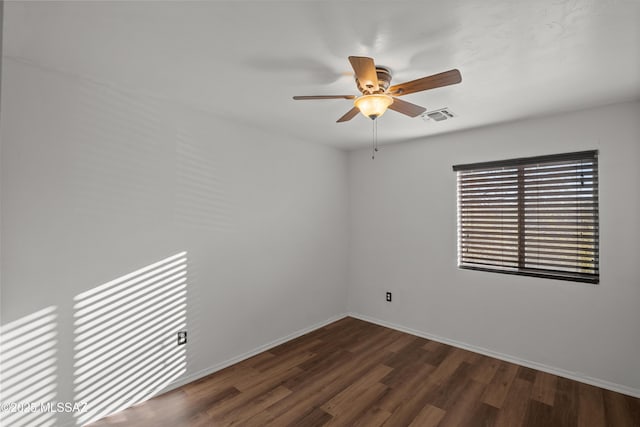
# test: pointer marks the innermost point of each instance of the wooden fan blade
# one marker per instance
(407, 108)
(365, 70)
(350, 115)
(446, 78)
(298, 98)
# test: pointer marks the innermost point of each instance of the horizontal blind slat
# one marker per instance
(543, 210)
(533, 171)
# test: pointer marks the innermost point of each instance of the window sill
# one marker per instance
(572, 277)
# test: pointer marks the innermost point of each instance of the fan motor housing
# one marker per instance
(384, 80)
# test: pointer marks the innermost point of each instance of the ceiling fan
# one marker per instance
(373, 82)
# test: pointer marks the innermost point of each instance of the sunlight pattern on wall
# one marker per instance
(28, 369)
(126, 337)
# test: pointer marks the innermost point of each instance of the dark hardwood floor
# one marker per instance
(354, 373)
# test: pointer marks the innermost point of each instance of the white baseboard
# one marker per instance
(507, 358)
(236, 359)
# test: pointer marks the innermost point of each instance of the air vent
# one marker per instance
(438, 115)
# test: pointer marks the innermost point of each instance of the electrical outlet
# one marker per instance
(388, 296)
(182, 337)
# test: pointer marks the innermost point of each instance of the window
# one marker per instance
(535, 216)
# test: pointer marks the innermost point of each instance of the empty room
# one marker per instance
(320, 213)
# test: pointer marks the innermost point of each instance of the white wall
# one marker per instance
(98, 183)
(403, 239)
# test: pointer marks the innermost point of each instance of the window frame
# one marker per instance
(521, 269)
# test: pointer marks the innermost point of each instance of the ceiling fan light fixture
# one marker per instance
(373, 106)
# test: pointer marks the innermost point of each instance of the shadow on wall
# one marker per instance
(125, 337)
(28, 369)
(117, 151)
(127, 169)
(200, 197)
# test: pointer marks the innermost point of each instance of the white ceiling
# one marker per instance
(245, 60)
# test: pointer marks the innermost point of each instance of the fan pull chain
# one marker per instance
(375, 124)
(374, 139)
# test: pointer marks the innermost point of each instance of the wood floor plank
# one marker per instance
(364, 340)
(372, 417)
(348, 412)
(248, 382)
(339, 323)
(429, 416)
(515, 404)
(544, 388)
(401, 392)
(346, 326)
(322, 386)
(435, 346)
(348, 364)
(633, 407)
(401, 343)
(483, 416)
(291, 411)
(200, 419)
(218, 381)
(484, 370)
(448, 366)
(436, 352)
(590, 407)
(404, 374)
(320, 364)
(538, 414)
(618, 411)
(471, 357)
(349, 395)
(565, 407)
(527, 374)
(254, 406)
(497, 390)
(463, 410)
(436, 389)
(445, 394)
(355, 339)
(289, 348)
(284, 361)
(259, 388)
(316, 417)
(412, 352)
(191, 407)
(357, 374)
(409, 409)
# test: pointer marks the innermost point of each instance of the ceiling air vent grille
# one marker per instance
(438, 115)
